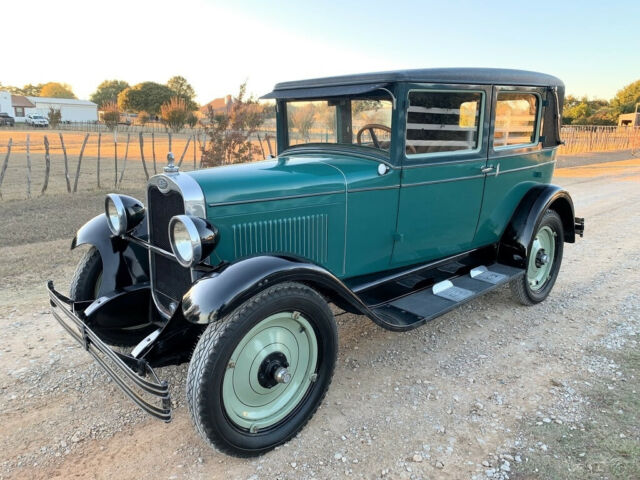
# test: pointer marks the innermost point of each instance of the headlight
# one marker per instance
(124, 213)
(191, 238)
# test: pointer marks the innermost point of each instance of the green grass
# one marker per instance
(597, 451)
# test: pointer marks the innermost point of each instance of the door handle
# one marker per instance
(491, 168)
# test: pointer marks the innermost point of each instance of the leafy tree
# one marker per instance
(108, 91)
(302, 119)
(29, 90)
(145, 96)
(55, 117)
(588, 112)
(111, 115)
(143, 117)
(183, 89)
(229, 134)
(57, 90)
(626, 98)
(192, 120)
(175, 113)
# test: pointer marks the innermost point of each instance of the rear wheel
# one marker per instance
(543, 262)
(257, 376)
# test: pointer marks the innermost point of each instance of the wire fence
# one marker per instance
(35, 161)
(596, 138)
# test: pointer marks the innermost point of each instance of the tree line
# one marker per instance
(582, 111)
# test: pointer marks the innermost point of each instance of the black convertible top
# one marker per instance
(361, 83)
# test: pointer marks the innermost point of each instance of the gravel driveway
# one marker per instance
(448, 400)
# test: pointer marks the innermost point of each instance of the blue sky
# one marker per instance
(593, 46)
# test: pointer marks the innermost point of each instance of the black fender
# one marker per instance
(516, 239)
(218, 293)
(123, 263)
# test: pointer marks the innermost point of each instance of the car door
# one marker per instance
(517, 159)
(443, 170)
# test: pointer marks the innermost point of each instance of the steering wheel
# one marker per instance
(371, 127)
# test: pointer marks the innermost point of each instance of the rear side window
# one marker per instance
(516, 119)
(443, 122)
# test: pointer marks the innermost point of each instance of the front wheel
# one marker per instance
(543, 262)
(257, 376)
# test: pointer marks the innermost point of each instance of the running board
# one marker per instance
(416, 308)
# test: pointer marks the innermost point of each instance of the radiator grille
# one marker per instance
(306, 236)
(170, 280)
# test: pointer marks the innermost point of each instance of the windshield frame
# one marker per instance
(344, 147)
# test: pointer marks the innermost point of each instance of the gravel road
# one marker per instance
(448, 400)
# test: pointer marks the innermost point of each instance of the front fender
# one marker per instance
(123, 263)
(516, 240)
(217, 294)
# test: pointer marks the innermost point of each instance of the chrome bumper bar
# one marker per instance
(126, 371)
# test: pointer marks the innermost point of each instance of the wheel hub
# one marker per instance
(273, 370)
(541, 258)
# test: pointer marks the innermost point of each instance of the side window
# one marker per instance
(443, 122)
(516, 119)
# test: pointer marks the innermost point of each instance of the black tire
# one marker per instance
(211, 359)
(84, 287)
(86, 277)
(520, 288)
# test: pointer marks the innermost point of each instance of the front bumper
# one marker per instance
(151, 395)
(579, 226)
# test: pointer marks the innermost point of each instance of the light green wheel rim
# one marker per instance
(543, 252)
(247, 403)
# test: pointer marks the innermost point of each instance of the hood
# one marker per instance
(269, 180)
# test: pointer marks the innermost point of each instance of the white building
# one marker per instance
(72, 110)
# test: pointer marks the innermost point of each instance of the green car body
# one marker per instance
(331, 206)
(232, 268)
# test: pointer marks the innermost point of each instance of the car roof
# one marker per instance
(471, 76)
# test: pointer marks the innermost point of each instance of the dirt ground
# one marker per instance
(449, 400)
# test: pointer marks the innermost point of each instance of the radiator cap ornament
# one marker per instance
(170, 168)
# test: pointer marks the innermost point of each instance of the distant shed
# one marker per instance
(72, 110)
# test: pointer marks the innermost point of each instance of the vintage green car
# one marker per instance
(396, 195)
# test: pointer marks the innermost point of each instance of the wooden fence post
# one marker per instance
(144, 164)
(47, 165)
(261, 147)
(66, 163)
(98, 165)
(194, 151)
(184, 151)
(84, 144)
(28, 168)
(268, 139)
(6, 162)
(153, 151)
(124, 162)
(115, 159)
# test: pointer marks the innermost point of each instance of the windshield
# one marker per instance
(38, 117)
(346, 121)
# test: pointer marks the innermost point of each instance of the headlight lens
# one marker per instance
(182, 243)
(191, 238)
(123, 213)
(116, 214)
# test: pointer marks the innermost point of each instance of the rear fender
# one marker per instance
(217, 294)
(516, 240)
(123, 263)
